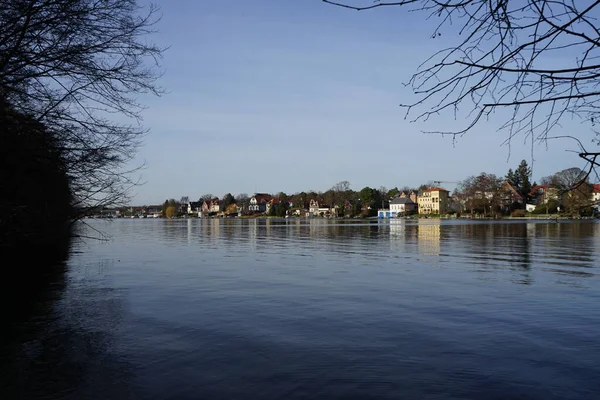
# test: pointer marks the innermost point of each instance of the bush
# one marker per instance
(518, 213)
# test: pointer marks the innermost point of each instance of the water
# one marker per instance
(290, 309)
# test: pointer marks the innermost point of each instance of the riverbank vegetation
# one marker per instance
(566, 193)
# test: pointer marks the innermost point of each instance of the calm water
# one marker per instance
(231, 309)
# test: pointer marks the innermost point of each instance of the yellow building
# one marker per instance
(434, 201)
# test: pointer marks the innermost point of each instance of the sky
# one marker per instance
(297, 95)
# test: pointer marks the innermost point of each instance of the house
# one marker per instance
(509, 198)
(399, 206)
(411, 195)
(402, 205)
(194, 207)
(271, 203)
(154, 211)
(596, 192)
(541, 194)
(435, 200)
(258, 202)
(211, 206)
(318, 208)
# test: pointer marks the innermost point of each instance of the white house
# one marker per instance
(398, 206)
(194, 207)
(402, 205)
(317, 208)
(258, 202)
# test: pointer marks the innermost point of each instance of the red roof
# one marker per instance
(535, 189)
(436, 189)
(596, 188)
(262, 197)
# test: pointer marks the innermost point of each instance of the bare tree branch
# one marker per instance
(537, 59)
(73, 65)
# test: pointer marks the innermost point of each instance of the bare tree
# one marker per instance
(574, 190)
(206, 197)
(564, 180)
(77, 66)
(538, 59)
(341, 186)
(479, 193)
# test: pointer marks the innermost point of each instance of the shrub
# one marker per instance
(518, 213)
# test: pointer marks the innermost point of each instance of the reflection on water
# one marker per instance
(316, 309)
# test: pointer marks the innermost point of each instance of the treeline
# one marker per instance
(568, 190)
(342, 199)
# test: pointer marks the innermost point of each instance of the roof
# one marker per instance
(510, 188)
(401, 200)
(436, 189)
(537, 187)
(262, 197)
(596, 188)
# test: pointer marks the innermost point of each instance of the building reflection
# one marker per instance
(428, 236)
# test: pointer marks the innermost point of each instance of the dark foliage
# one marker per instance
(35, 206)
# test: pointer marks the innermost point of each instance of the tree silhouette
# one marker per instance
(72, 65)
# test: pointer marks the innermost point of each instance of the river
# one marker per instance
(315, 309)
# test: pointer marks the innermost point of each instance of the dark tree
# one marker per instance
(519, 179)
(73, 64)
(228, 199)
(242, 200)
(370, 200)
(300, 200)
(35, 205)
(537, 59)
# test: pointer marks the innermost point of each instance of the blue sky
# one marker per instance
(292, 95)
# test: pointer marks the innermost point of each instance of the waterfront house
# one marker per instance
(596, 196)
(317, 208)
(435, 200)
(402, 206)
(194, 207)
(509, 198)
(258, 202)
(541, 194)
(211, 206)
(271, 203)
